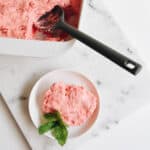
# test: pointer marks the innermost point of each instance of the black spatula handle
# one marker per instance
(121, 60)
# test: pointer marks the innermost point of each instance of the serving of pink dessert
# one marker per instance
(75, 103)
(18, 17)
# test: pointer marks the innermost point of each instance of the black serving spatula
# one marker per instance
(53, 20)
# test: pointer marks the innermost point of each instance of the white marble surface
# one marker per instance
(132, 133)
(121, 93)
(132, 17)
(9, 130)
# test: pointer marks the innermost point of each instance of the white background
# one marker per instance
(133, 133)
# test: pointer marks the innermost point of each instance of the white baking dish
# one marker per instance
(35, 48)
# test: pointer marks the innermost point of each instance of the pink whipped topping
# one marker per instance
(74, 103)
(18, 17)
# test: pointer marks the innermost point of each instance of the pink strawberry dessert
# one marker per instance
(18, 17)
(74, 103)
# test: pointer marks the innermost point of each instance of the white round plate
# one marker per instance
(42, 85)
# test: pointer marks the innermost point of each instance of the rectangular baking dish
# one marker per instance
(36, 48)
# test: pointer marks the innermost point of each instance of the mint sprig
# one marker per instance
(60, 133)
(46, 127)
(56, 125)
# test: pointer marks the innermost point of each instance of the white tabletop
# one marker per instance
(17, 76)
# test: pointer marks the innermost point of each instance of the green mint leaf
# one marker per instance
(56, 125)
(51, 117)
(60, 133)
(46, 127)
(61, 122)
